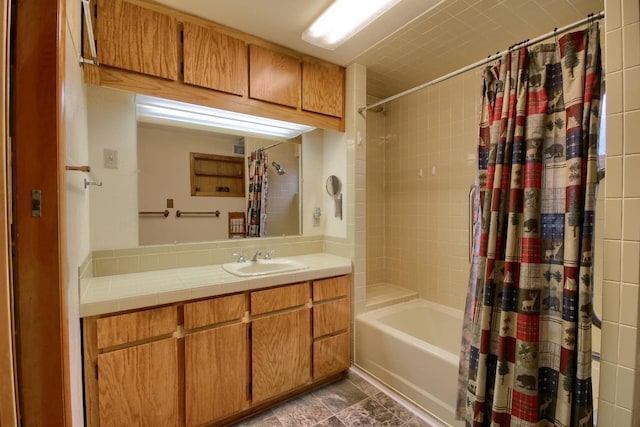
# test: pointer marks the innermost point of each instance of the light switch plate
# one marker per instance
(110, 159)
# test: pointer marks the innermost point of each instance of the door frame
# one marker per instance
(8, 400)
(39, 269)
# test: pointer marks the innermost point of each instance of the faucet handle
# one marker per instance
(239, 255)
(267, 254)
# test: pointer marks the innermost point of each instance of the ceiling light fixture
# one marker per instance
(343, 19)
(158, 110)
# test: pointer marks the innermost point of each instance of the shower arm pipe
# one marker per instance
(587, 20)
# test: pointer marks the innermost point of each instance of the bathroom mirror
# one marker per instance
(334, 188)
(131, 187)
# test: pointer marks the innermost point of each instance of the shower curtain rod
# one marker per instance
(587, 20)
(270, 146)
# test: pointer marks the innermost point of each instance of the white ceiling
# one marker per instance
(416, 41)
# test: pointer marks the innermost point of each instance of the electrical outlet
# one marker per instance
(110, 159)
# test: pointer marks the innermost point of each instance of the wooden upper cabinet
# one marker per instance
(323, 87)
(137, 39)
(214, 60)
(274, 77)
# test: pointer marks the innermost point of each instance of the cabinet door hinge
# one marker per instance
(182, 68)
(249, 333)
(181, 36)
(96, 371)
(249, 390)
(95, 11)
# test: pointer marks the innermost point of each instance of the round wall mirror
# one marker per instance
(333, 185)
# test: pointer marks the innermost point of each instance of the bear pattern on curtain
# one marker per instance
(526, 353)
(258, 191)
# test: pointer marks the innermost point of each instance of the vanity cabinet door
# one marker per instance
(281, 353)
(137, 39)
(216, 373)
(214, 60)
(139, 386)
(323, 87)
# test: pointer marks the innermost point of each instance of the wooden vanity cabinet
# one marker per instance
(281, 340)
(331, 326)
(137, 38)
(132, 369)
(216, 359)
(211, 361)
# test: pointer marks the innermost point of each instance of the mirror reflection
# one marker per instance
(206, 175)
(257, 197)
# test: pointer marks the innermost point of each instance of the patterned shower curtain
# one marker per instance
(526, 353)
(258, 191)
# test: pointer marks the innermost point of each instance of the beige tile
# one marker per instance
(627, 349)
(128, 264)
(632, 88)
(631, 219)
(630, 12)
(629, 304)
(607, 382)
(615, 131)
(614, 50)
(613, 14)
(611, 260)
(632, 132)
(631, 175)
(624, 388)
(609, 351)
(631, 262)
(613, 215)
(631, 43)
(611, 301)
(106, 266)
(622, 417)
(614, 92)
(613, 181)
(605, 413)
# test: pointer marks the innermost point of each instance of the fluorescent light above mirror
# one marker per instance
(158, 110)
(343, 19)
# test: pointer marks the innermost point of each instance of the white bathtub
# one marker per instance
(413, 348)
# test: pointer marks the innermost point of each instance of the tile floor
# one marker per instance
(350, 402)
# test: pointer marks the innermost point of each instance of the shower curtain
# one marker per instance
(258, 191)
(526, 353)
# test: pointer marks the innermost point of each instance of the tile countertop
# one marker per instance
(110, 294)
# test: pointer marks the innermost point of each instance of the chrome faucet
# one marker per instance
(240, 256)
(255, 256)
(267, 254)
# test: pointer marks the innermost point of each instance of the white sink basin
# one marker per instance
(262, 267)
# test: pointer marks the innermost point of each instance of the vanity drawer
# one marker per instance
(136, 326)
(331, 288)
(331, 355)
(330, 317)
(214, 310)
(279, 298)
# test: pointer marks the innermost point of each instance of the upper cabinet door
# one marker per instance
(137, 39)
(214, 60)
(274, 77)
(323, 87)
